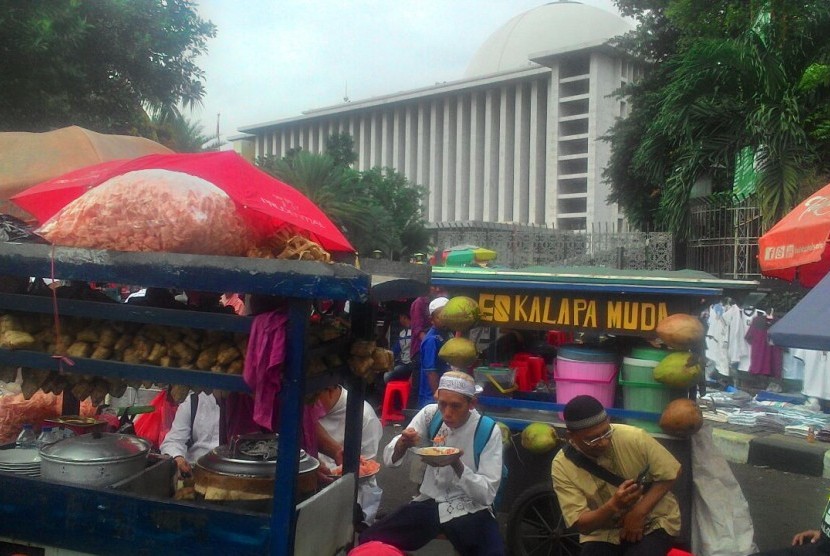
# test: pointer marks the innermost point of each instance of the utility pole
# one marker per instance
(218, 144)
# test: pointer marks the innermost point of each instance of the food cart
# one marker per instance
(586, 300)
(38, 514)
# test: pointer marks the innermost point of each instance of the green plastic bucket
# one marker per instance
(638, 370)
(652, 397)
(650, 353)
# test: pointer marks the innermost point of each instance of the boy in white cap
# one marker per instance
(455, 498)
(432, 367)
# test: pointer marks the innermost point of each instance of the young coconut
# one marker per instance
(539, 438)
(680, 331)
(458, 352)
(460, 313)
(682, 417)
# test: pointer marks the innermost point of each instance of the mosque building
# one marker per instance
(517, 139)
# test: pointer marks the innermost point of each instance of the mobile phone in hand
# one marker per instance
(641, 478)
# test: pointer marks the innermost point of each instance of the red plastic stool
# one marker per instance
(678, 552)
(395, 389)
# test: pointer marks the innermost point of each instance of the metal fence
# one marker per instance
(724, 238)
(518, 245)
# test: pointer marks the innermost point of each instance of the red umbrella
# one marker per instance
(266, 203)
(796, 247)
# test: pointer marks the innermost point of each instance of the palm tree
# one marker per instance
(336, 190)
(726, 95)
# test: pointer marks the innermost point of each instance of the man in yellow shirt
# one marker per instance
(630, 518)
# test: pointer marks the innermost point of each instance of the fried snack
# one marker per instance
(123, 342)
(188, 215)
(79, 349)
(8, 373)
(286, 244)
(179, 392)
(100, 388)
(156, 353)
(207, 358)
(183, 352)
(315, 366)
(227, 354)
(107, 337)
(10, 322)
(101, 352)
(382, 360)
(82, 390)
(88, 334)
(363, 348)
(236, 367)
(16, 339)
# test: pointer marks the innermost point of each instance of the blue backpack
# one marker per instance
(484, 429)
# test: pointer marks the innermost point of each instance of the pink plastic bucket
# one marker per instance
(576, 378)
(584, 370)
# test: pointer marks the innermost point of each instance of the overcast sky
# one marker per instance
(274, 59)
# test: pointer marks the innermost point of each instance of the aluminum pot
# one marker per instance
(242, 474)
(96, 459)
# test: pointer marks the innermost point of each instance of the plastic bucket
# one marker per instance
(570, 369)
(650, 353)
(602, 389)
(586, 353)
(651, 396)
(495, 381)
(638, 370)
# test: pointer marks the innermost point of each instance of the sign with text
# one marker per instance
(584, 311)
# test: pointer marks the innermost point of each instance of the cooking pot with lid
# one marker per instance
(242, 474)
(96, 459)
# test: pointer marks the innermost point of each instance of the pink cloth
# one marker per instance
(419, 322)
(765, 359)
(375, 548)
(264, 364)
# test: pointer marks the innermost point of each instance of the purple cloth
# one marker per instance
(264, 364)
(764, 358)
(420, 322)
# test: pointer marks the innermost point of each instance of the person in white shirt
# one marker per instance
(455, 498)
(333, 422)
(192, 436)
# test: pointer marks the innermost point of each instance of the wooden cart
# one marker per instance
(64, 518)
(593, 301)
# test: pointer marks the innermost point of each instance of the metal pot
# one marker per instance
(243, 473)
(96, 459)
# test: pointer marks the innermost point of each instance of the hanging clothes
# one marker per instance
(717, 339)
(765, 358)
(816, 372)
(738, 321)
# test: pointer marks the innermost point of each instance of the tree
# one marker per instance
(729, 75)
(377, 209)
(98, 64)
(181, 134)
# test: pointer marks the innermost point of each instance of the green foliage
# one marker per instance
(727, 74)
(98, 64)
(340, 147)
(376, 209)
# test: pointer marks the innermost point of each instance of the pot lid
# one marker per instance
(96, 447)
(221, 460)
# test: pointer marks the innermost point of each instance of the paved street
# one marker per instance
(780, 503)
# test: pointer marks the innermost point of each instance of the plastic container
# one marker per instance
(27, 437)
(650, 396)
(46, 437)
(638, 370)
(570, 369)
(650, 353)
(575, 378)
(495, 381)
(586, 353)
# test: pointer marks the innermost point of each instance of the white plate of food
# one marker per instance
(438, 455)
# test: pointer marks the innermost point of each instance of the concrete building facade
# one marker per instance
(518, 139)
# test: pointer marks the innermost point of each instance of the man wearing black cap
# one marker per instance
(634, 518)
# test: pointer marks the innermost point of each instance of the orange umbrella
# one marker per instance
(796, 247)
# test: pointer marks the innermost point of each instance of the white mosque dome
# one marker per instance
(554, 26)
